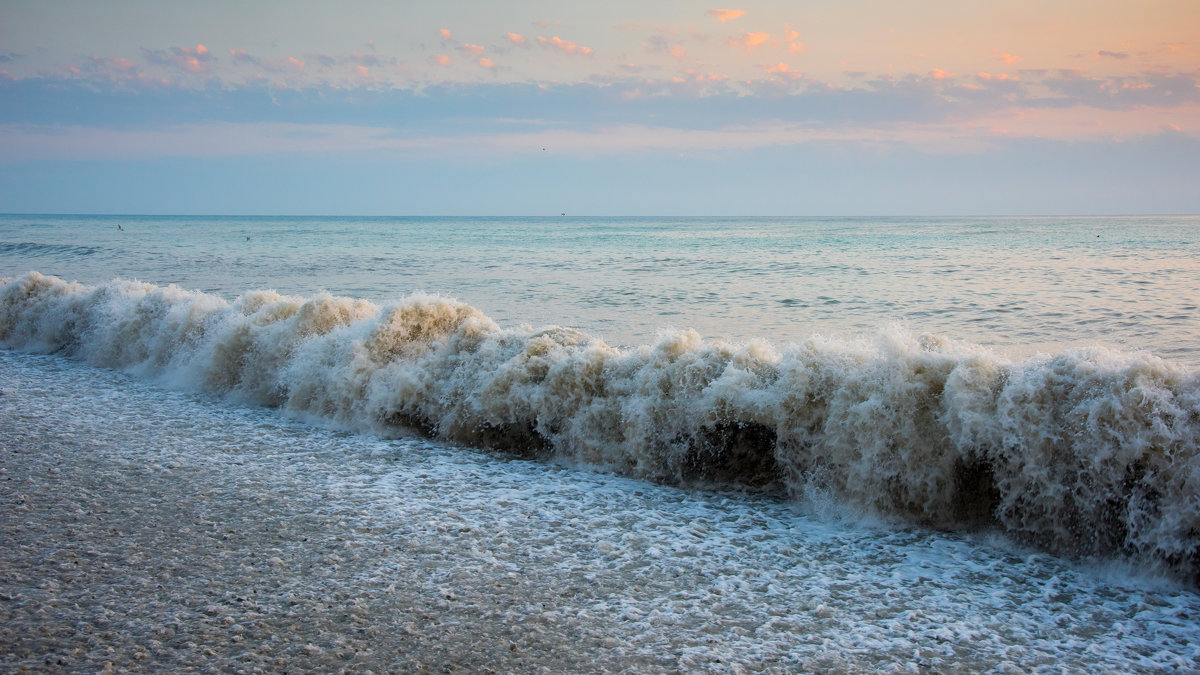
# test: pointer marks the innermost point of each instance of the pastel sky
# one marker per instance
(856, 107)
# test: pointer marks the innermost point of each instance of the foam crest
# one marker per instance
(1085, 453)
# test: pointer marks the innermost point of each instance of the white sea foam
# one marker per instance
(1083, 452)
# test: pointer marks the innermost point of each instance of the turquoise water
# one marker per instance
(1017, 284)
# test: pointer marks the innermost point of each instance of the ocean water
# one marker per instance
(941, 435)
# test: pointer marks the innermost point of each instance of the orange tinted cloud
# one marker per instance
(297, 63)
(485, 62)
(792, 37)
(441, 59)
(724, 15)
(749, 41)
(516, 39)
(1009, 58)
(445, 33)
(473, 50)
(679, 51)
(564, 46)
(939, 74)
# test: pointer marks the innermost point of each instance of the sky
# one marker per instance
(472, 107)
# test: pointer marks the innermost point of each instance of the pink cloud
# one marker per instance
(295, 62)
(724, 15)
(485, 62)
(749, 41)
(565, 46)
(516, 39)
(192, 60)
(1009, 58)
(679, 51)
(440, 59)
(473, 50)
(445, 33)
(939, 74)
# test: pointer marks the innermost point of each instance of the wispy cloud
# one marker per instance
(516, 39)
(724, 15)
(794, 44)
(190, 59)
(241, 56)
(564, 46)
(749, 41)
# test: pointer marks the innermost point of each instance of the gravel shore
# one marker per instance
(143, 530)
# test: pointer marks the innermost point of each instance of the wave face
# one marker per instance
(1082, 453)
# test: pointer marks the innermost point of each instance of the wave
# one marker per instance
(1088, 452)
(64, 251)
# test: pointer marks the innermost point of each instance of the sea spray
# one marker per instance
(1084, 452)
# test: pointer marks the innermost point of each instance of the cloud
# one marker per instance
(1124, 92)
(1103, 53)
(1008, 59)
(939, 74)
(472, 50)
(724, 15)
(564, 46)
(192, 60)
(440, 59)
(516, 39)
(240, 56)
(294, 62)
(749, 41)
(658, 44)
(792, 38)
(445, 33)
(485, 62)
(369, 60)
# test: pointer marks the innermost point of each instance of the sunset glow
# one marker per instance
(1041, 73)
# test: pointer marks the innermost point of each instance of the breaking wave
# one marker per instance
(1084, 453)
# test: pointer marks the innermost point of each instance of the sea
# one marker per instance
(744, 444)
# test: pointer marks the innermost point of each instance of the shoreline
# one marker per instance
(146, 530)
